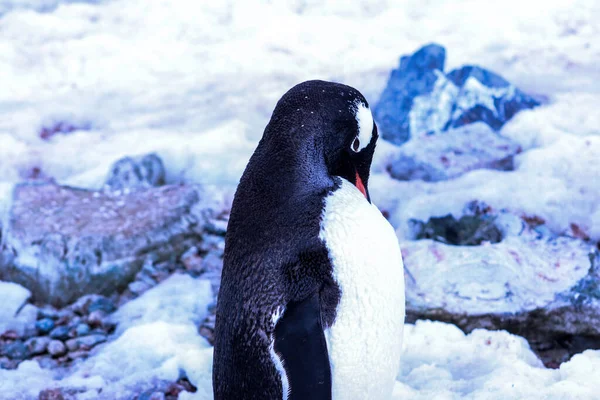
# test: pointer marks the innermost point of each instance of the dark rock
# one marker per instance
(60, 333)
(72, 344)
(419, 99)
(441, 157)
(416, 76)
(102, 304)
(469, 230)
(37, 345)
(15, 350)
(56, 348)
(44, 325)
(94, 242)
(51, 394)
(136, 172)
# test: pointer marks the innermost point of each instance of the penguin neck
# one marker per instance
(291, 173)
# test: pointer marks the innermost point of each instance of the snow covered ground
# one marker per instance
(85, 83)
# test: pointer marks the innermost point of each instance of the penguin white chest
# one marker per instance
(365, 341)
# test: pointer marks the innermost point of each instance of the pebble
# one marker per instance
(51, 394)
(56, 348)
(82, 329)
(60, 332)
(90, 341)
(72, 344)
(37, 345)
(102, 304)
(15, 350)
(44, 325)
(96, 317)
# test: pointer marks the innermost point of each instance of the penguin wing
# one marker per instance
(300, 342)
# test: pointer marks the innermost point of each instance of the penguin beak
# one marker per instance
(361, 186)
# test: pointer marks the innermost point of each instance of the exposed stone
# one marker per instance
(419, 99)
(56, 348)
(82, 329)
(87, 342)
(96, 317)
(44, 325)
(51, 394)
(60, 332)
(14, 350)
(441, 157)
(37, 345)
(529, 285)
(136, 172)
(62, 243)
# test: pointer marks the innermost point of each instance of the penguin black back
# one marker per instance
(277, 291)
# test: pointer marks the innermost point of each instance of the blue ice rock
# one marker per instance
(421, 100)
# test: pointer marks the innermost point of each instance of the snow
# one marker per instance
(178, 299)
(14, 313)
(196, 82)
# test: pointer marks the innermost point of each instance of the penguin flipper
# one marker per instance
(300, 342)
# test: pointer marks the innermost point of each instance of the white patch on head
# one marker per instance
(365, 341)
(285, 384)
(364, 118)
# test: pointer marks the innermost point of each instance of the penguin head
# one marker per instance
(327, 130)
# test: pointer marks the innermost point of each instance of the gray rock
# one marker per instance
(532, 286)
(60, 332)
(136, 172)
(62, 243)
(85, 342)
(37, 345)
(44, 325)
(57, 348)
(15, 350)
(440, 157)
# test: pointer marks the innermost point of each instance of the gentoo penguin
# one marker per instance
(311, 304)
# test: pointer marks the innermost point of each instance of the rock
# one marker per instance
(526, 284)
(136, 172)
(51, 394)
(87, 342)
(441, 157)
(416, 76)
(56, 348)
(44, 325)
(37, 345)
(15, 350)
(72, 344)
(96, 318)
(48, 312)
(60, 333)
(82, 329)
(419, 99)
(101, 303)
(469, 230)
(63, 243)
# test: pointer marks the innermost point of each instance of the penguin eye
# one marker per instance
(356, 145)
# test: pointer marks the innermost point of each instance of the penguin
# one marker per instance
(311, 303)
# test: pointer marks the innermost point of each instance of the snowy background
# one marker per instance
(85, 83)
